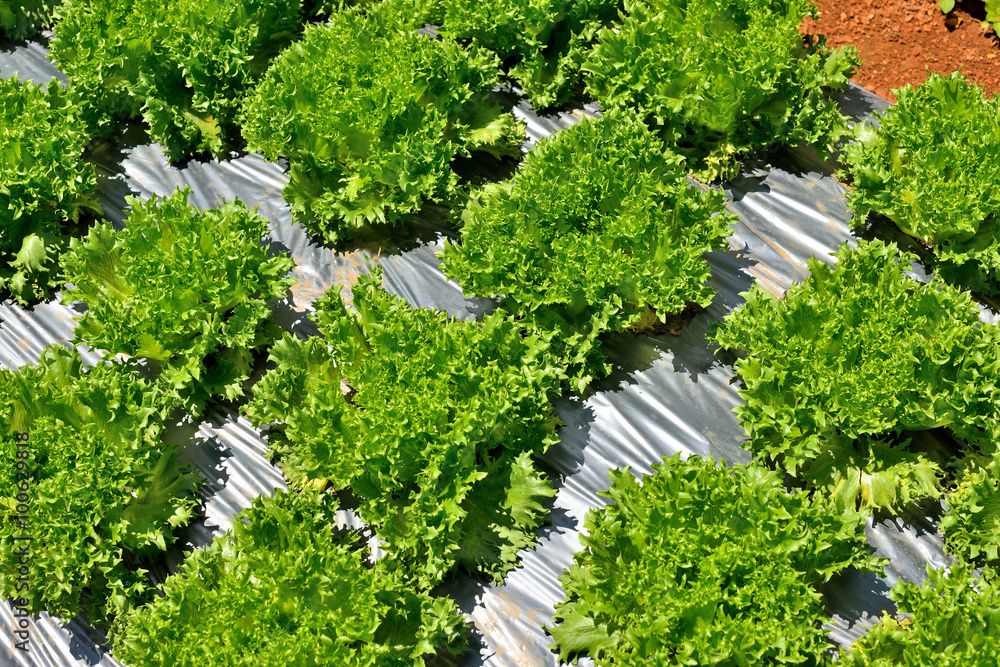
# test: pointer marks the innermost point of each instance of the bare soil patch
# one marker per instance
(901, 41)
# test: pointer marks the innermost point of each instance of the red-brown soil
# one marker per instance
(900, 40)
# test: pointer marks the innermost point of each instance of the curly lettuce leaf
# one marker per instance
(185, 288)
(44, 185)
(286, 587)
(432, 424)
(952, 619)
(370, 116)
(853, 356)
(930, 166)
(20, 19)
(721, 78)
(598, 228)
(104, 491)
(873, 473)
(697, 564)
(541, 43)
(184, 65)
(971, 526)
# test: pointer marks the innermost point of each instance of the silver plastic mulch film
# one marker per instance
(666, 394)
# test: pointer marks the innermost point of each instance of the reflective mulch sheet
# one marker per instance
(666, 395)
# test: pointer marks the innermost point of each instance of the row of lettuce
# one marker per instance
(436, 427)
(373, 116)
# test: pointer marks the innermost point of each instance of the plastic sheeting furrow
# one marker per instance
(776, 202)
(226, 446)
(538, 126)
(29, 62)
(415, 276)
(666, 394)
(24, 333)
(53, 644)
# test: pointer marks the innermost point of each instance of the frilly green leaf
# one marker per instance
(971, 526)
(104, 490)
(184, 65)
(930, 166)
(183, 287)
(43, 184)
(721, 78)
(697, 564)
(951, 619)
(598, 228)
(286, 586)
(21, 19)
(433, 424)
(371, 115)
(850, 359)
(540, 43)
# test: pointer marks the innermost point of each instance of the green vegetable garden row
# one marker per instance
(436, 426)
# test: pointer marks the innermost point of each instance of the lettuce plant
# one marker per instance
(184, 288)
(185, 65)
(697, 564)
(721, 78)
(541, 43)
(971, 526)
(283, 589)
(952, 619)
(370, 116)
(599, 230)
(931, 168)
(44, 185)
(20, 19)
(839, 370)
(432, 424)
(102, 491)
